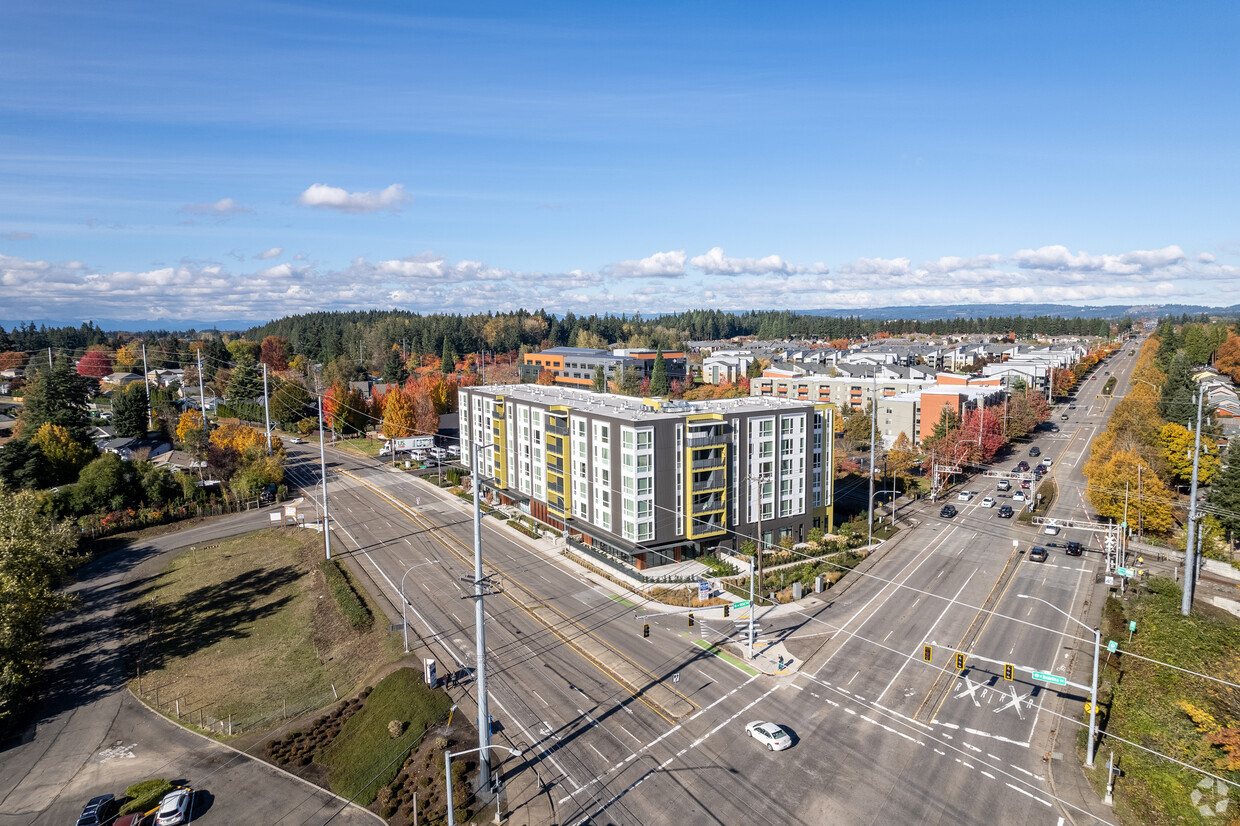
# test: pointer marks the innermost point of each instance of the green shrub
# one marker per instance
(351, 605)
(146, 795)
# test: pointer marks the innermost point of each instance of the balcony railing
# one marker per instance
(712, 462)
(557, 430)
(706, 439)
(707, 506)
(709, 481)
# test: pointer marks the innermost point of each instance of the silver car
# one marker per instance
(774, 737)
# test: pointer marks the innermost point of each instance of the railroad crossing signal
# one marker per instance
(690, 619)
(1008, 670)
(727, 611)
(645, 629)
(959, 661)
(925, 653)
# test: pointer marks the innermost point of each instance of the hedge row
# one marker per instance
(351, 605)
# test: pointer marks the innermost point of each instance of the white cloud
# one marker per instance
(715, 262)
(953, 263)
(1205, 258)
(660, 265)
(267, 255)
(1059, 259)
(878, 266)
(222, 207)
(331, 197)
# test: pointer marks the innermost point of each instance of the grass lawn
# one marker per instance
(1167, 711)
(366, 447)
(364, 756)
(246, 627)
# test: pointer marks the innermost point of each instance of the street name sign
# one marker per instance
(743, 604)
(1050, 678)
(1124, 571)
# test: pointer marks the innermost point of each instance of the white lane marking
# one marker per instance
(909, 658)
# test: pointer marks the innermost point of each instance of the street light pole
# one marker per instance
(327, 534)
(447, 772)
(757, 557)
(405, 600)
(1093, 686)
(1190, 556)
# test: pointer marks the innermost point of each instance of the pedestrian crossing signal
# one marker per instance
(1007, 671)
(645, 629)
(690, 619)
(727, 611)
(960, 662)
(925, 653)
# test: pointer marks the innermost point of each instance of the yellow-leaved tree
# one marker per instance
(398, 414)
(1177, 443)
(1118, 479)
(64, 456)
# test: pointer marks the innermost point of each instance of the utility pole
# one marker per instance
(873, 422)
(1190, 561)
(202, 398)
(1140, 509)
(146, 382)
(480, 639)
(266, 409)
(49, 359)
(327, 534)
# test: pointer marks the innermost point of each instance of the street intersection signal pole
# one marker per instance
(1190, 557)
(327, 534)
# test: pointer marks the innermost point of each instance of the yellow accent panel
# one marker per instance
(703, 417)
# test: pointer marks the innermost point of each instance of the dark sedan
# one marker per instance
(948, 511)
(1005, 512)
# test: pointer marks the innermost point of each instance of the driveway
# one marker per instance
(91, 737)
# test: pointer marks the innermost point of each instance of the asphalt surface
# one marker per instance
(628, 730)
(92, 737)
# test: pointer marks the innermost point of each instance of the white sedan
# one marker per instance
(964, 495)
(174, 808)
(988, 502)
(1019, 496)
(775, 738)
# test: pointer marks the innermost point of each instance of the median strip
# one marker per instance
(726, 657)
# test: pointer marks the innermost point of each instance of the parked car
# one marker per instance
(98, 811)
(1073, 549)
(1005, 511)
(1004, 484)
(1035, 451)
(174, 808)
(1037, 554)
(769, 734)
(948, 511)
(988, 502)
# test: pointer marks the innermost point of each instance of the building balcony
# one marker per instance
(707, 506)
(708, 464)
(706, 439)
(557, 430)
(709, 481)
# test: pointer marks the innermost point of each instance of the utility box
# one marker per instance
(428, 671)
(796, 590)
(818, 584)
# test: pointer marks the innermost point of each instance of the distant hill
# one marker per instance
(1110, 312)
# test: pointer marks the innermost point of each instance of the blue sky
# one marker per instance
(246, 160)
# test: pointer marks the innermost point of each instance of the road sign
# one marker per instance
(703, 591)
(1132, 625)
(742, 604)
(1050, 678)
(676, 677)
(1111, 646)
(1124, 571)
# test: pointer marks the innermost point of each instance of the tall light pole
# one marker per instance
(405, 600)
(447, 770)
(327, 533)
(266, 409)
(873, 422)
(484, 716)
(1190, 550)
(1093, 686)
(757, 557)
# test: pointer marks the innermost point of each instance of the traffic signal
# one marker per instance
(1007, 671)
(645, 629)
(690, 619)
(959, 662)
(925, 653)
(727, 611)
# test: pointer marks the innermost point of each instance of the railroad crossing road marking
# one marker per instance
(1014, 703)
(970, 690)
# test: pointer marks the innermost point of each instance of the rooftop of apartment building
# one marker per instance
(631, 407)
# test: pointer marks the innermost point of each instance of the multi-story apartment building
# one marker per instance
(575, 366)
(651, 481)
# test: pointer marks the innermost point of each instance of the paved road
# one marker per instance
(881, 736)
(92, 737)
